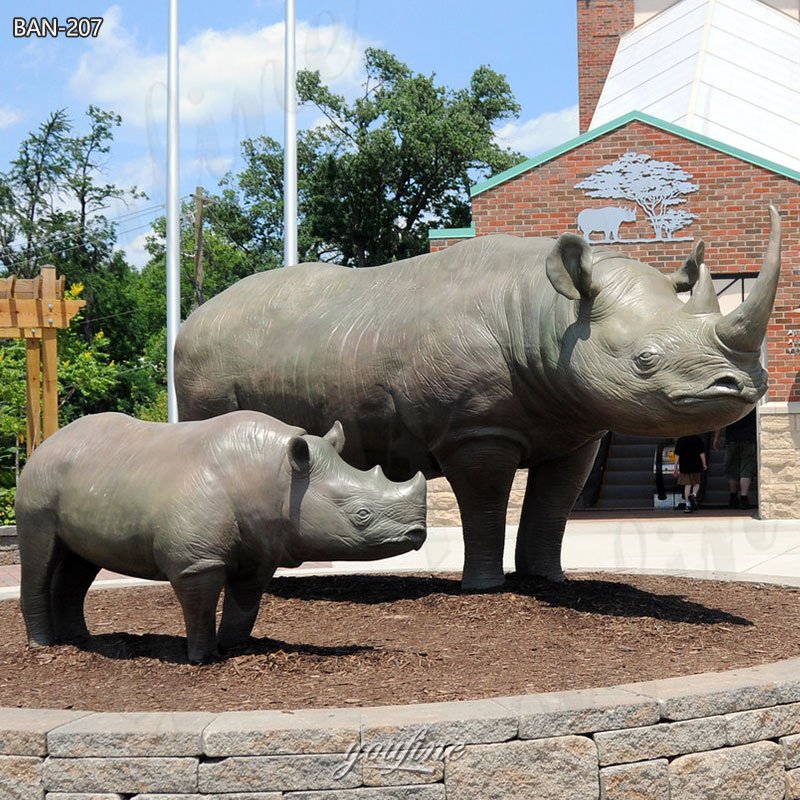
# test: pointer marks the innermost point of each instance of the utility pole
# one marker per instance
(199, 275)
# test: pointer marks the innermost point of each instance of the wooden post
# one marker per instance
(50, 381)
(33, 367)
(34, 309)
(49, 354)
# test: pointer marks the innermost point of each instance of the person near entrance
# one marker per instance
(691, 463)
(740, 458)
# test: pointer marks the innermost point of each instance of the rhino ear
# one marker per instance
(686, 277)
(569, 267)
(299, 455)
(335, 436)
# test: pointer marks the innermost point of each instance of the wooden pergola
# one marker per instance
(34, 309)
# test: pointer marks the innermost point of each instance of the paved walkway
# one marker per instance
(707, 544)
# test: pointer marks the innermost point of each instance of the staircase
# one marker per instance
(628, 481)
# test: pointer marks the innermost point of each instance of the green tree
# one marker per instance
(382, 169)
(87, 379)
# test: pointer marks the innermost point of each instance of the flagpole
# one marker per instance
(173, 211)
(289, 141)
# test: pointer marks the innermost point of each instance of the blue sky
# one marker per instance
(231, 73)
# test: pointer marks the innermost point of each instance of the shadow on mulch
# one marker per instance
(172, 649)
(593, 596)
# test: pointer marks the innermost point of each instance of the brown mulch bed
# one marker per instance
(387, 639)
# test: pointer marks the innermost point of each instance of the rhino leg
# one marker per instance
(481, 472)
(553, 487)
(198, 592)
(71, 582)
(240, 608)
(40, 552)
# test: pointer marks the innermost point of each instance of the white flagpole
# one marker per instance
(173, 211)
(289, 142)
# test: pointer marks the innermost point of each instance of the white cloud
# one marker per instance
(225, 74)
(541, 133)
(134, 250)
(8, 116)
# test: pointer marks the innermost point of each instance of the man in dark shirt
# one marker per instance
(740, 458)
(691, 453)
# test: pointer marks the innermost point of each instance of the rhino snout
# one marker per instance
(724, 385)
(416, 536)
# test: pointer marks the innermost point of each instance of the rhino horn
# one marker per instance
(686, 277)
(377, 472)
(413, 487)
(335, 436)
(745, 327)
(704, 298)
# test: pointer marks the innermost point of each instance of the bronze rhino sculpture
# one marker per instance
(494, 354)
(204, 505)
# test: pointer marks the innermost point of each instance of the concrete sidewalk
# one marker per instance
(705, 544)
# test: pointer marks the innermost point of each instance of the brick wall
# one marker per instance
(600, 25)
(733, 220)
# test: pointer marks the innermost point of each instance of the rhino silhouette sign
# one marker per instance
(658, 188)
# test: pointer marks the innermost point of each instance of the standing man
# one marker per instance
(740, 458)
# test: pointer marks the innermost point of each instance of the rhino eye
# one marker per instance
(647, 360)
(363, 516)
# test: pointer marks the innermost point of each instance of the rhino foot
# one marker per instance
(482, 582)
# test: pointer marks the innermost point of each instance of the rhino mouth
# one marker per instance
(724, 387)
(416, 536)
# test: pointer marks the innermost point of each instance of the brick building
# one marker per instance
(666, 114)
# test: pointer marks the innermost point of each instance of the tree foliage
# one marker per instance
(382, 169)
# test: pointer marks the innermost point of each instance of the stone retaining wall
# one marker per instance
(9, 554)
(727, 736)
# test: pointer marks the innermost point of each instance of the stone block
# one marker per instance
(465, 722)
(395, 769)
(647, 780)
(774, 423)
(793, 784)
(543, 716)
(764, 723)
(277, 773)
(545, 769)
(791, 750)
(257, 733)
(736, 773)
(234, 796)
(713, 693)
(436, 792)
(21, 778)
(659, 741)
(122, 775)
(90, 796)
(23, 731)
(130, 734)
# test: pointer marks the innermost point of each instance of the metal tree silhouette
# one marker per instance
(655, 186)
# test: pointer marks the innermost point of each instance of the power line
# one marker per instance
(129, 217)
(63, 250)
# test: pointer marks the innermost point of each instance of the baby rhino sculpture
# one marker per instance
(204, 505)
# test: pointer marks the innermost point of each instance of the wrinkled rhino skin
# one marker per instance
(494, 354)
(204, 505)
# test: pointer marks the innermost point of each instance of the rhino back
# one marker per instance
(394, 352)
(122, 490)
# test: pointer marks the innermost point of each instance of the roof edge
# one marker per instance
(452, 233)
(619, 122)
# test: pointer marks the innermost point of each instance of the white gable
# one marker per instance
(727, 69)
